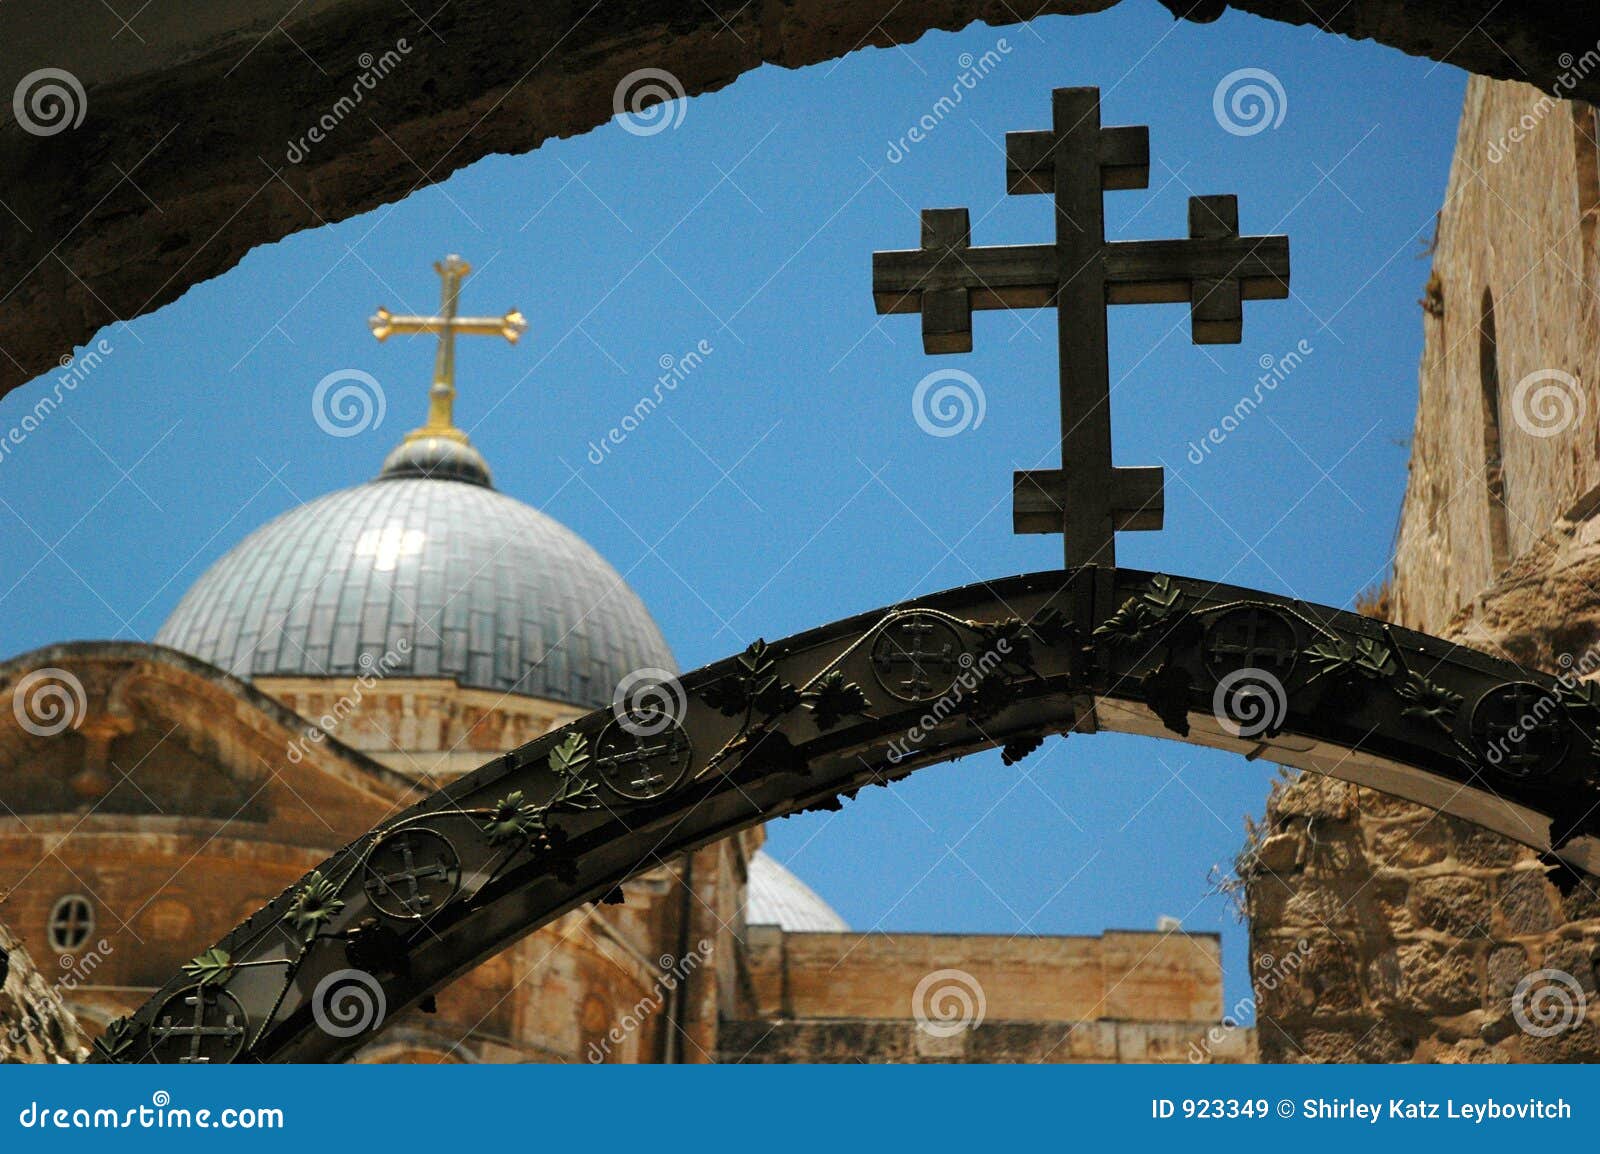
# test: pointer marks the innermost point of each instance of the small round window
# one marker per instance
(71, 923)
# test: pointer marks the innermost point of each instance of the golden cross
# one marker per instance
(452, 271)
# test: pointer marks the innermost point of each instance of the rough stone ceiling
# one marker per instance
(179, 166)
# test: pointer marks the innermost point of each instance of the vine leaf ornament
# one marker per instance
(754, 686)
(1366, 657)
(1143, 613)
(213, 966)
(513, 819)
(1579, 695)
(1052, 626)
(1582, 702)
(567, 761)
(1167, 690)
(833, 699)
(314, 906)
(118, 1037)
(1430, 701)
(1020, 747)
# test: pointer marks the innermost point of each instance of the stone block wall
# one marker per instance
(1417, 930)
(1518, 226)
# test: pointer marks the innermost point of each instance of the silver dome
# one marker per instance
(480, 587)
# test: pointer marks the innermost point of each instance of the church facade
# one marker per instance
(363, 649)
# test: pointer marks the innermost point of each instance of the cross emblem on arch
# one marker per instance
(1214, 270)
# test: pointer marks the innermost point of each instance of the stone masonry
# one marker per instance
(1422, 928)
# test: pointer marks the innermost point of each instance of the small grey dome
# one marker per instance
(775, 897)
(437, 458)
(479, 587)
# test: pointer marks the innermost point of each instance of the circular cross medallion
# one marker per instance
(1519, 731)
(412, 874)
(198, 1024)
(1251, 637)
(918, 657)
(642, 762)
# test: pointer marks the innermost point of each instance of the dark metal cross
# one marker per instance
(917, 659)
(410, 874)
(1248, 636)
(673, 747)
(1528, 735)
(198, 1031)
(1214, 270)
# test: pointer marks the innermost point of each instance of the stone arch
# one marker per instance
(798, 724)
(193, 150)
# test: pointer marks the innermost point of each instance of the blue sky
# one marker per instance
(786, 482)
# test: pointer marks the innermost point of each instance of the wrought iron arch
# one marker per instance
(792, 725)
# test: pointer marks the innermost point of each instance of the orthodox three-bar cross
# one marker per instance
(452, 271)
(1214, 270)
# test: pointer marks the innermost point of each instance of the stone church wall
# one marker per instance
(1430, 939)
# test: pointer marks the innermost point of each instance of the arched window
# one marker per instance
(71, 923)
(1493, 467)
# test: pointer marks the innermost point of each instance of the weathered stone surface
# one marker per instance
(1451, 905)
(35, 1024)
(1527, 904)
(185, 160)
